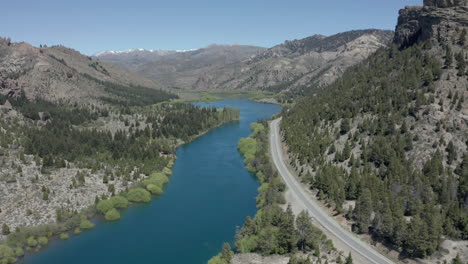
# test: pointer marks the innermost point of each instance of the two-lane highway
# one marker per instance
(358, 246)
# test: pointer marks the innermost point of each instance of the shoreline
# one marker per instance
(89, 212)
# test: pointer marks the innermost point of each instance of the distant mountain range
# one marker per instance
(141, 52)
(180, 69)
(296, 66)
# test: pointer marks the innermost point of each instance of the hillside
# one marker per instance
(296, 66)
(59, 73)
(386, 144)
(299, 65)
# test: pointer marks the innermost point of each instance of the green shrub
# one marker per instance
(119, 202)
(167, 171)
(256, 128)
(104, 206)
(19, 252)
(31, 242)
(86, 224)
(170, 164)
(77, 231)
(139, 195)
(262, 190)
(43, 241)
(260, 177)
(216, 260)
(112, 215)
(248, 148)
(7, 255)
(224, 257)
(154, 189)
(246, 244)
(64, 236)
(157, 179)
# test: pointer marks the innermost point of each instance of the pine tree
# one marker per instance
(460, 64)
(48, 161)
(45, 196)
(345, 126)
(226, 253)
(287, 232)
(363, 210)
(457, 260)
(305, 232)
(349, 259)
(346, 151)
(462, 37)
(339, 260)
(448, 57)
(451, 152)
(417, 242)
(5, 229)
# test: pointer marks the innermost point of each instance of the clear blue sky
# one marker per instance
(94, 25)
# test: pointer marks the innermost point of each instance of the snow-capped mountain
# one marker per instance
(179, 68)
(158, 52)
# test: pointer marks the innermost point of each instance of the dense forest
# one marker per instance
(66, 133)
(357, 140)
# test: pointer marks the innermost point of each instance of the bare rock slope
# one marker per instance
(59, 73)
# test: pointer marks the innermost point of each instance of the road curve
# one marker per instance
(361, 248)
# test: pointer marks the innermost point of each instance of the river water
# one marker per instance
(210, 193)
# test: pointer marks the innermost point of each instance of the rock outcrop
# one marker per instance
(445, 3)
(434, 21)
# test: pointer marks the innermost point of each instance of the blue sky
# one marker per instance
(93, 25)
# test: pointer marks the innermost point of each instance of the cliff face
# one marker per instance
(445, 3)
(437, 20)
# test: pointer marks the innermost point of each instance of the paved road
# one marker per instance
(319, 215)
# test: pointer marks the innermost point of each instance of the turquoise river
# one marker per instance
(209, 195)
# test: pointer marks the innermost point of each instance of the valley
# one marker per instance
(343, 148)
(207, 167)
(296, 67)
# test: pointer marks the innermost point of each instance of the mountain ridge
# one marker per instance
(59, 73)
(290, 66)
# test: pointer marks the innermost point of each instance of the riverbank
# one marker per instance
(282, 237)
(41, 212)
(186, 218)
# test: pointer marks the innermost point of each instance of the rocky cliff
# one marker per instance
(437, 21)
(445, 3)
